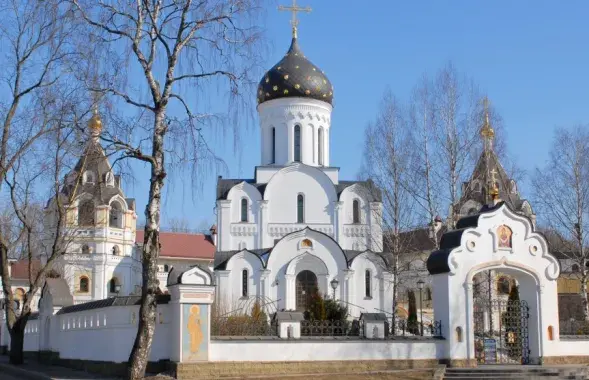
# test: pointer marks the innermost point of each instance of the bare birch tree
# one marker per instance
(386, 162)
(562, 194)
(35, 37)
(172, 42)
(423, 184)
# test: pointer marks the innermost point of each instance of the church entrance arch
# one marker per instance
(495, 327)
(306, 287)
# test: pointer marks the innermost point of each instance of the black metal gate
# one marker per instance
(501, 332)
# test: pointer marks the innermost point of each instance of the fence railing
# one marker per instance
(242, 325)
(330, 328)
(404, 328)
(574, 328)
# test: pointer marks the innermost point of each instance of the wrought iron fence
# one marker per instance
(242, 325)
(573, 327)
(330, 328)
(406, 328)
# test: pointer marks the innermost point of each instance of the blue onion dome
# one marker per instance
(295, 77)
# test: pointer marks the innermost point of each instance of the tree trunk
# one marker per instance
(584, 299)
(151, 248)
(17, 339)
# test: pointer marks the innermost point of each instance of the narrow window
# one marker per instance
(313, 141)
(300, 209)
(320, 146)
(116, 250)
(368, 284)
(84, 285)
(244, 283)
(166, 268)
(356, 211)
(297, 143)
(86, 213)
(273, 145)
(112, 285)
(244, 210)
(116, 215)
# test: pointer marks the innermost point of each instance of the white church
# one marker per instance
(292, 230)
(296, 227)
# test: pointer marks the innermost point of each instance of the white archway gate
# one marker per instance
(496, 239)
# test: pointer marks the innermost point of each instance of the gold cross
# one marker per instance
(493, 178)
(294, 9)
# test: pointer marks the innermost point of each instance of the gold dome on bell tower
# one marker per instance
(95, 122)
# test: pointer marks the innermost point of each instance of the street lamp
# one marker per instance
(334, 283)
(420, 284)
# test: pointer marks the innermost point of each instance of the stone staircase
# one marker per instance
(497, 372)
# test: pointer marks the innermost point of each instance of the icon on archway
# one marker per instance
(504, 233)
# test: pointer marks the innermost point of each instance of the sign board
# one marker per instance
(490, 349)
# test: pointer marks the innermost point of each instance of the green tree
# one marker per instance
(412, 325)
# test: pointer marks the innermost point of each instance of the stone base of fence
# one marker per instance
(459, 363)
(557, 360)
(239, 369)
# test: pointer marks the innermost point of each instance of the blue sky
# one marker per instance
(530, 57)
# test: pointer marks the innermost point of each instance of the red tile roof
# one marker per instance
(20, 269)
(183, 245)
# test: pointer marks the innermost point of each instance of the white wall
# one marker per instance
(276, 350)
(105, 334)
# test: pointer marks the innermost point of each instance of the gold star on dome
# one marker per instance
(286, 77)
(275, 88)
(267, 94)
(297, 66)
(279, 67)
(285, 92)
(267, 79)
(297, 86)
(307, 92)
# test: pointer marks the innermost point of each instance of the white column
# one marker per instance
(337, 224)
(348, 286)
(224, 225)
(224, 296)
(265, 283)
(262, 223)
(291, 294)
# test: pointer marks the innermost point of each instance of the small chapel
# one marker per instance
(296, 228)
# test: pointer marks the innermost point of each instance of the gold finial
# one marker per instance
(95, 122)
(494, 189)
(294, 9)
(487, 131)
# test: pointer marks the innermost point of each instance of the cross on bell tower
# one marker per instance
(294, 9)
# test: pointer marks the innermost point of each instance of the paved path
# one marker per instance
(36, 371)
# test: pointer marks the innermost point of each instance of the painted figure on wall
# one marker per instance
(194, 329)
(504, 233)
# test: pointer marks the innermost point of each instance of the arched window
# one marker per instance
(368, 283)
(86, 213)
(88, 177)
(575, 268)
(356, 211)
(244, 210)
(297, 143)
(244, 283)
(300, 209)
(116, 250)
(116, 215)
(84, 284)
(320, 146)
(112, 285)
(166, 268)
(85, 249)
(109, 179)
(273, 145)
(428, 294)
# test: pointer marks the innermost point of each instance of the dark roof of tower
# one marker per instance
(94, 159)
(295, 76)
(506, 192)
(225, 185)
